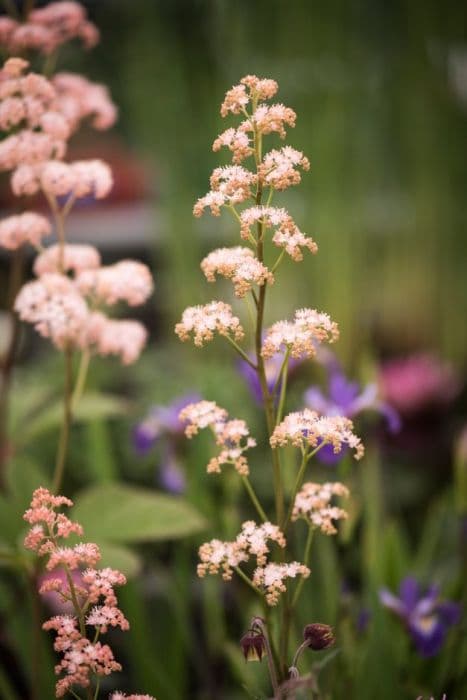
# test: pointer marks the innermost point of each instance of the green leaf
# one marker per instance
(121, 513)
(121, 558)
(91, 406)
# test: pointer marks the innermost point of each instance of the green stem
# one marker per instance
(81, 378)
(298, 482)
(306, 559)
(248, 581)
(284, 372)
(241, 352)
(285, 634)
(66, 424)
(254, 498)
(96, 694)
(268, 400)
(278, 261)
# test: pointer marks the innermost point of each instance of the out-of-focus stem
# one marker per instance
(254, 498)
(8, 361)
(66, 423)
(284, 372)
(81, 378)
(306, 559)
(298, 482)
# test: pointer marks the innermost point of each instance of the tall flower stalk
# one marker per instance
(269, 234)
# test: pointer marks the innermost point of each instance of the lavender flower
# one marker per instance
(426, 618)
(162, 424)
(346, 398)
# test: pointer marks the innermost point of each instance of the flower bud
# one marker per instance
(319, 636)
(253, 645)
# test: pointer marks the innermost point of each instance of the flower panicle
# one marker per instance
(91, 590)
(231, 435)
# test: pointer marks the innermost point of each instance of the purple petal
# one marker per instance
(143, 438)
(409, 592)
(367, 399)
(392, 602)
(326, 455)
(171, 475)
(342, 392)
(317, 401)
(428, 635)
(428, 602)
(450, 613)
(252, 380)
(393, 419)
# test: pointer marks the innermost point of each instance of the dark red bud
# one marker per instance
(319, 636)
(253, 646)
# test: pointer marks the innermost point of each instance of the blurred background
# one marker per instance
(380, 90)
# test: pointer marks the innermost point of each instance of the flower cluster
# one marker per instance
(42, 114)
(94, 599)
(250, 89)
(225, 556)
(230, 185)
(313, 503)
(60, 307)
(28, 227)
(204, 321)
(271, 578)
(47, 28)
(238, 264)
(300, 336)
(287, 235)
(307, 429)
(232, 436)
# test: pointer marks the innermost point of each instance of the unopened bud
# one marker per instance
(253, 645)
(318, 636)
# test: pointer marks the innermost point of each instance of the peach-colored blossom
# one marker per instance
(307, 429)
(203, 321)
(313, 502)
(72, 256)
(78, 99)
(301, 336)
(28, 227)
(55, 308)
(238, 264)
(123, 337)
(279, 168)
(272, 576)
(127, 280)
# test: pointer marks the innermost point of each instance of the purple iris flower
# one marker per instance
(426, 618)
(160, 422)
(346, 398)
(162, 425)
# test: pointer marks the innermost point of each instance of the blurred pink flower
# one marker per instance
(418, 382)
